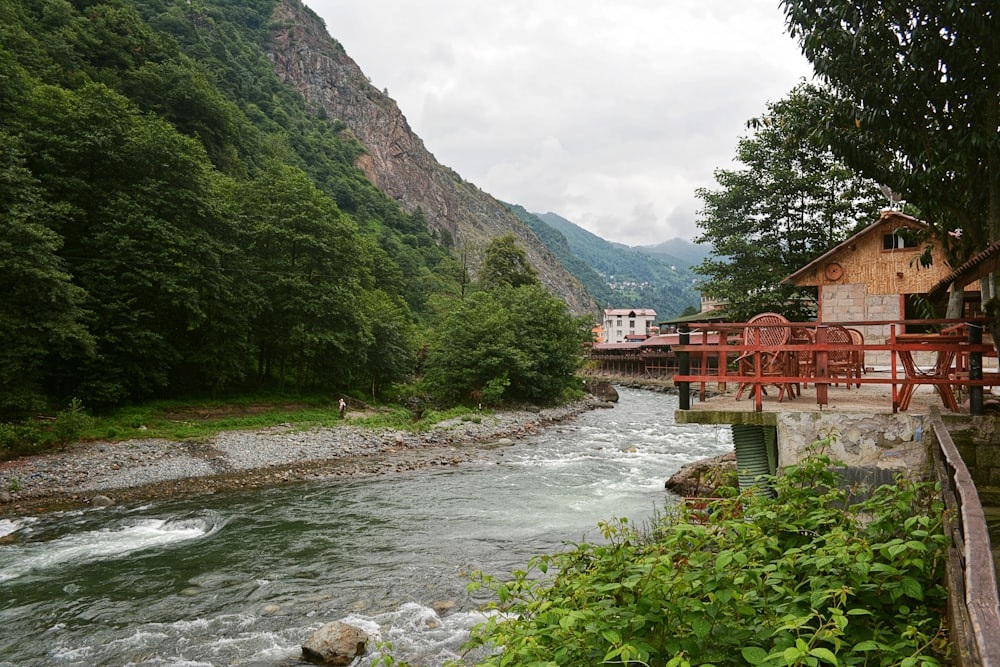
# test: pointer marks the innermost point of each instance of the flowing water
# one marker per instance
(246, 578)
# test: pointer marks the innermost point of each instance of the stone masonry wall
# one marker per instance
(888, 442)
(844, 303)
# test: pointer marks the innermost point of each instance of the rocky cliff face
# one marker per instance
(307, 58)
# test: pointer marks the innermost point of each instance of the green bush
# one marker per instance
(22, 438)
(71, 423)
(803, 579)
(33, 436)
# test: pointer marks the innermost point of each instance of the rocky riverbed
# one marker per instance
(139, 469)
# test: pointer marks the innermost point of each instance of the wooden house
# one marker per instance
(875, 274)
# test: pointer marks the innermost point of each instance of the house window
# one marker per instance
(631, 325)
(901, 238)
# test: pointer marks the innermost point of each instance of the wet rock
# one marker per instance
(335, 644)
(4, 497)
(101, 501)
(701, 478)
(602, 389)
(444, 606)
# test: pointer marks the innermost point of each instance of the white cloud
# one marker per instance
(609, 114)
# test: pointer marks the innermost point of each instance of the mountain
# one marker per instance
(677, 251)
(556, 242)
(616, 275)
(307, 58)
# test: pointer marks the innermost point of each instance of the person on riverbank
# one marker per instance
(343, 407)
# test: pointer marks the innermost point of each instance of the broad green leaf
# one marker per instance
(824, 654)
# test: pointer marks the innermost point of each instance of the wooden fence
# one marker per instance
(973, 599)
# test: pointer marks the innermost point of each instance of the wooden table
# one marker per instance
(940, 375)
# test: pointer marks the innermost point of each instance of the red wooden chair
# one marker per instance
(841, 363)
(767, 330)
(858, 355)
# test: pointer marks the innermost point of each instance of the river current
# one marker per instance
(245, 578)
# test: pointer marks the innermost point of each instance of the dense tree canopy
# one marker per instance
(790, 201)
(176, 221)
(510, 338)
(506, 263)
(518, 343)
(913, 102)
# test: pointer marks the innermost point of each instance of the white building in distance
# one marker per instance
(623, 325)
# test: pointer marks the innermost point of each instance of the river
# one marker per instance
(245, 578)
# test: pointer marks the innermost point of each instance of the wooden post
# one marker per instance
(684, 362)
(822, 362)
(975, 370)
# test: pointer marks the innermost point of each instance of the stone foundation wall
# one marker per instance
(886, 442)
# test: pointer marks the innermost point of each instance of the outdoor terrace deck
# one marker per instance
(873, 398)
(823, 369)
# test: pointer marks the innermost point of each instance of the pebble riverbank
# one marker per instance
(145, 469)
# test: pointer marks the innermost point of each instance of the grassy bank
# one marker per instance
(198, 419)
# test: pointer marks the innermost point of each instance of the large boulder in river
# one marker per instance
(602, 389)
(335, 644)
(701, 478)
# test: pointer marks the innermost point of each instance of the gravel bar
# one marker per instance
(145, 469)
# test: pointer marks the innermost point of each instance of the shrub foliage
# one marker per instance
(804, 579)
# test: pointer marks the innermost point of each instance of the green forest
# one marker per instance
(176, 222)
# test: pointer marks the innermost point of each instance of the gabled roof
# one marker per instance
(894, 218)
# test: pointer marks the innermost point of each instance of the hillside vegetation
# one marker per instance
(618, 276)
(178, 222)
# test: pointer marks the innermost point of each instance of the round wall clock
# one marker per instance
(833, 271)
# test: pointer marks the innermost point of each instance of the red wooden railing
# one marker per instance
(956, 346)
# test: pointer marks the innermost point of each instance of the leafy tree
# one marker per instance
(506, 264)
(789, 203)
(390, 340)
(308, 265)
(144, 234)
(913, 103)
(42, 312)
(521, 340)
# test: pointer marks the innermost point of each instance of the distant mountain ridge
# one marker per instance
(619, 276)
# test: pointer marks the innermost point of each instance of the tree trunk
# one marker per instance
(988, 284)
(956, 302)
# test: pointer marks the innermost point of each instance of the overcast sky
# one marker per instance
(610, 114)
